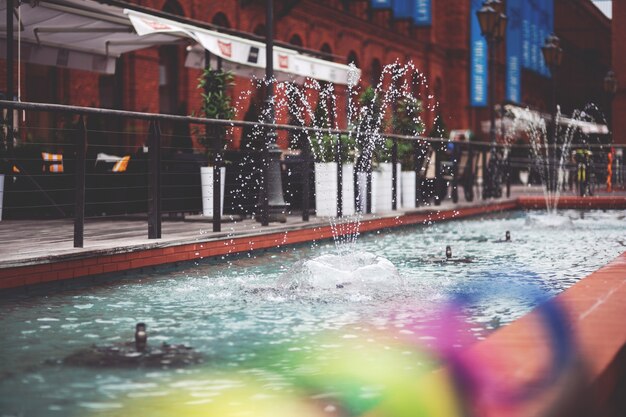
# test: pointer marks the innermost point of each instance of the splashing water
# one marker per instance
(550, 160)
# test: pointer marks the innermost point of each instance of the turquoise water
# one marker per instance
(231, 312)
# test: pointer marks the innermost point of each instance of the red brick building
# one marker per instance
(619, 66)
(156, 80)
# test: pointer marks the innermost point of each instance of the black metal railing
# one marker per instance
(166, 180)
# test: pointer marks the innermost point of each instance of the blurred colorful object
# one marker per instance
(373, 374)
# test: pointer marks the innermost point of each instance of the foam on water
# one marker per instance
(354, 271)
(550, 219)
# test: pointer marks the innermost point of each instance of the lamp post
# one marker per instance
(271, 196)
(492, 22)
(610, 88)
(553, 55)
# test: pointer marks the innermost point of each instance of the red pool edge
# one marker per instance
(85, 264)
(595, 384)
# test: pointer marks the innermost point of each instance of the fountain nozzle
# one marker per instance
(141, 337)
(448, 252)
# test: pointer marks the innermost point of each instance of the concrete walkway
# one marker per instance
(25, 242)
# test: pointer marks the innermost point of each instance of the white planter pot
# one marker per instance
(408, 189)
(1, 193)
(206, 181)
(326, 189)
(381, 188)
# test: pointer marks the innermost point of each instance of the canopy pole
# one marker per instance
(10, 90)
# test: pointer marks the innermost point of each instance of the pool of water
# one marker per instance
(248, 327)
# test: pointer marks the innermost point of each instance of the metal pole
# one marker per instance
(483, 153)
(154, 199)
(338, 159)
(10, 88)
(217, 180)
(417, 167)
(271, 195)
(217, 172)
(79, 195)
(306, 179)
(394, 174)
(552, 165)
(438, 179)
(492, 118)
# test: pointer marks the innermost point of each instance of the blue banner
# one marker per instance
(535, 48)
(380, 4)
(401, 9)
(514, 10)
(549, 5)
(543, 33)
(421, 12)
(478, 60)
(525, 35)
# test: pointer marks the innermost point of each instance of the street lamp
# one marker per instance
(492, 20)
(553, 55)
(271, 196)
(610, 88)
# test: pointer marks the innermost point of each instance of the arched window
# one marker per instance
(259, 30)
(376, 70)
(295, 40)
(439, 90)
(173, 7)
(416, 84)
(220, 20)
(327, 50)
(353, 59)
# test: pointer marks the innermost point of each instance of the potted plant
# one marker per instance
(406, 121)
(324, 151)
(215, 104)
(366, 128)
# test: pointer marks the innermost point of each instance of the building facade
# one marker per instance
(369, 33)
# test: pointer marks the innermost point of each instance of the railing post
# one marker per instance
(368, 207)
(79, 195)
(339, 177)
(418, 161)
(508, 175)
(394, 174)
(470, 174)
(486, 189)
(306, 179)
(217, 179)
(154, 199)
(438, 177)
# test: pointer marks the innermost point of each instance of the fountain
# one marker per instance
(551, 161)
(359, 154)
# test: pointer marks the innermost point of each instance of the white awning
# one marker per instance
(245, 56)
(78, 34)
(535, 118)
(87, 35)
